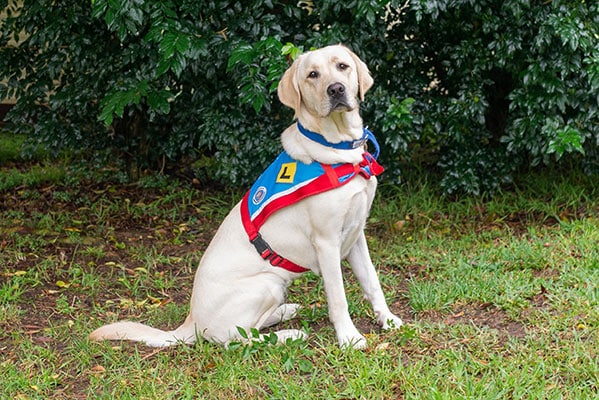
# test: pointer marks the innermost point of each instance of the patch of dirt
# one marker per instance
(479, 315)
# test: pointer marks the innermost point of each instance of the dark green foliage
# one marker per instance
(515, 84)
(474, 89)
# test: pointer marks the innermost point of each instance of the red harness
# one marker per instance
(332, 178)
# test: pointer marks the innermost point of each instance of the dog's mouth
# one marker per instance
(340, 105)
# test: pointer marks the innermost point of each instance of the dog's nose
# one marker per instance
(336, 90)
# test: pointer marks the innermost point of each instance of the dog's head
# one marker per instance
(325, 81)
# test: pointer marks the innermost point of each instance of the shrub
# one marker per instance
(474, 89)
(517, 85)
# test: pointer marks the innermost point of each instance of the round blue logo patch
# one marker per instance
(259, 195)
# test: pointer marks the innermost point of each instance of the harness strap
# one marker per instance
(332, 178)
(262, 247)
(330, 173)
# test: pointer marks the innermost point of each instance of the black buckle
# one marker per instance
(261, 246)
(266, 252)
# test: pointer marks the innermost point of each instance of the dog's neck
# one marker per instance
(337, 127)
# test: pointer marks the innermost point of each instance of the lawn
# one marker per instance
(500, 296)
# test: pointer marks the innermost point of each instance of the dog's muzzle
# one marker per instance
(338, 97)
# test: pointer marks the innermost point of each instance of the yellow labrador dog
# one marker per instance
(235, 286)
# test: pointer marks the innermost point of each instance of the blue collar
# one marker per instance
(347, 145)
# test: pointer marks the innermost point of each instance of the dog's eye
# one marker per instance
(342, 66)
(313, 75)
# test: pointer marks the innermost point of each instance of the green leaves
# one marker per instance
(165, 38)
(291, 51)
(123, 17)
(117, 100)
(173, 42)
(508, 86)
(261, 64)
(472, 89)
(159, 101)
(566, 140)
(399, 113)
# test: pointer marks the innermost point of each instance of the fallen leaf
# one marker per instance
(98, 369)
(383, 346)
(399, 225)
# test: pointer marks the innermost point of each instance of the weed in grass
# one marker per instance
(83, 278)
(63, 306)
(429, 296)
(12, 289)
(10, 292)
(96, 252)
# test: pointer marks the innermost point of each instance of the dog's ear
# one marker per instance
(365, 80)
(288, 89)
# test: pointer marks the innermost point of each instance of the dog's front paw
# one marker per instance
(390, 322)
(355, 341)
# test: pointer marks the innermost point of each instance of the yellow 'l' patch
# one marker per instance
(286, 173)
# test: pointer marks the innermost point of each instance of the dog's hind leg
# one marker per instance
(284, 312)
(282, 336)
(292, 334)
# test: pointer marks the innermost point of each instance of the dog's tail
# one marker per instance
(134, 331)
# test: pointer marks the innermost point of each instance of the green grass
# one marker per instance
(11, 146)
(499, 296)
(39, 171)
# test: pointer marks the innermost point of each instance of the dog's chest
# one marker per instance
(336, 216)
(354, 220)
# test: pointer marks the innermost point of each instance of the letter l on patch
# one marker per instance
(286, 173)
